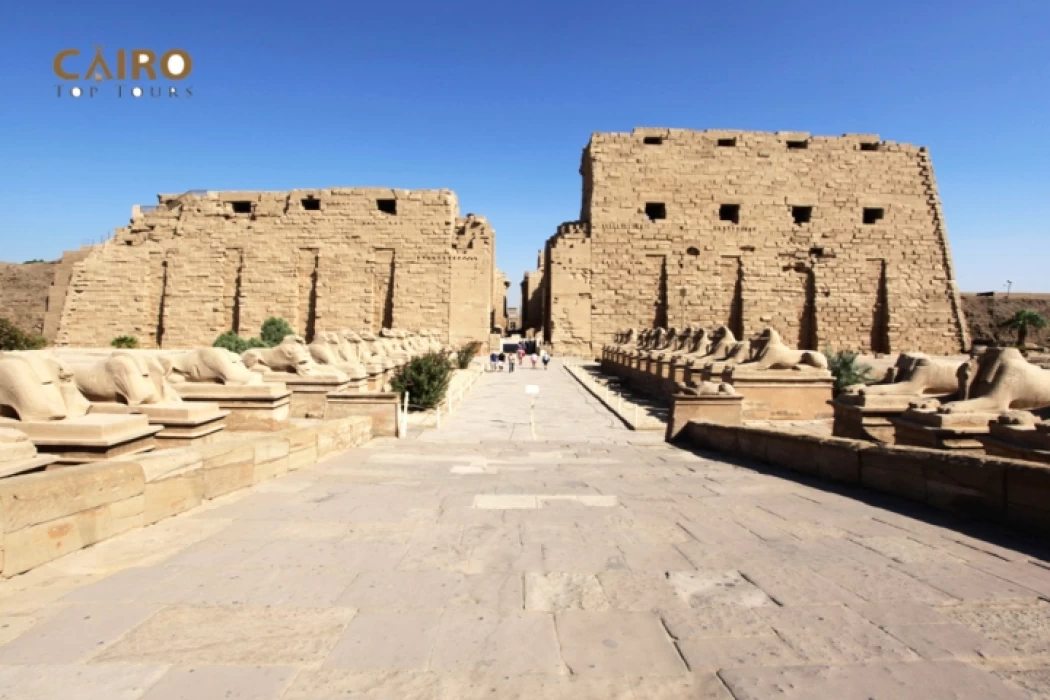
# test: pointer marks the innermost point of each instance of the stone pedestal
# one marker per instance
(92, 438)
(958, 432)
(1029, 443)
(251, 406)
(18, 454)
(185, 424)
(308, 392)
(382, 408)
(864, 417)
(781, 394)
(677, 372)
(716, 408)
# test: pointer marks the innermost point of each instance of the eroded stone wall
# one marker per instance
(23, 294)
(533, 289)
(832, 240)
(500, 284)
(202, 263)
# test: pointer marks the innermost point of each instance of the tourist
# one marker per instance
(546, 359)
(493, 358)
(535, 358)
(510, 360)
(521, 354)
(502, 359)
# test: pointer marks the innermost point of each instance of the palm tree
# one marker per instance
(1022, 321)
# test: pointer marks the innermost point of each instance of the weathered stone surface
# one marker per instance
(234, 682)
(615, 643)
(387, 640)
(233, 636)
(516, 643)
(559, 591)
(210, 268)
(944, 679)
(39, 498)
(76, 633)
(657, 218)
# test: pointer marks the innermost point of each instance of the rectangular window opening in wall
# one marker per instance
(798, 145)
(727, 143)
(388, 206)
(870, 146)
(241, 207)
(801, 215)
(873, 214)
(729, 212)
(818, 252)
(653, 140)
(311, 204)
(655, 210)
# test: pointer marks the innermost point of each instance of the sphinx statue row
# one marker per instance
(965, 404)
(70, 394)
(694, 361)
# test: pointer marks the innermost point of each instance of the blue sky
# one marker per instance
(496, 100)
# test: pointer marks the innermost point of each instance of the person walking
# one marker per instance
(493, 358)
(546, 359)
(535, 358)
(502, 359)
(510, 360)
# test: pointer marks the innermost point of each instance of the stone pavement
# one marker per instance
(592, 562)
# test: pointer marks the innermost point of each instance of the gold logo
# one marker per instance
(124, 64)
(174, 64)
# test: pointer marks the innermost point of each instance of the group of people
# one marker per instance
(497, 361)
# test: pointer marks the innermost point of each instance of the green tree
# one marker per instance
(846, 370)
(125, 341)
(425, 378)
(14, 338)
(1022, 321)
(274, 330)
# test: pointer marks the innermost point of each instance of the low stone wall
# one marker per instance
(48, 514)
(1005, 490)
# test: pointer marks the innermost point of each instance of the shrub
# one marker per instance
(465, 354)
(125, 341)
(846, 370)
(14, 338)
(274, 330)
(425, 378)
(232, 342)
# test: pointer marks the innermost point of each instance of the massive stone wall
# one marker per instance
(202, 263)
(500, 284)
(23, 294)
(832, 240)
(532, 292)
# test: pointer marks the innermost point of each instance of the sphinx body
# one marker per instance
(210, 365)
(726, 348)
(770, 352)
(997, 381)
(332, 350)
(699, 345)
(914, 374)
(290, 355)
(706, 389)
(119, 378)
(27, 394)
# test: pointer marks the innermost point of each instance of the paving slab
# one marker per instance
(226, 682)
(616, 643)
(915, 681)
